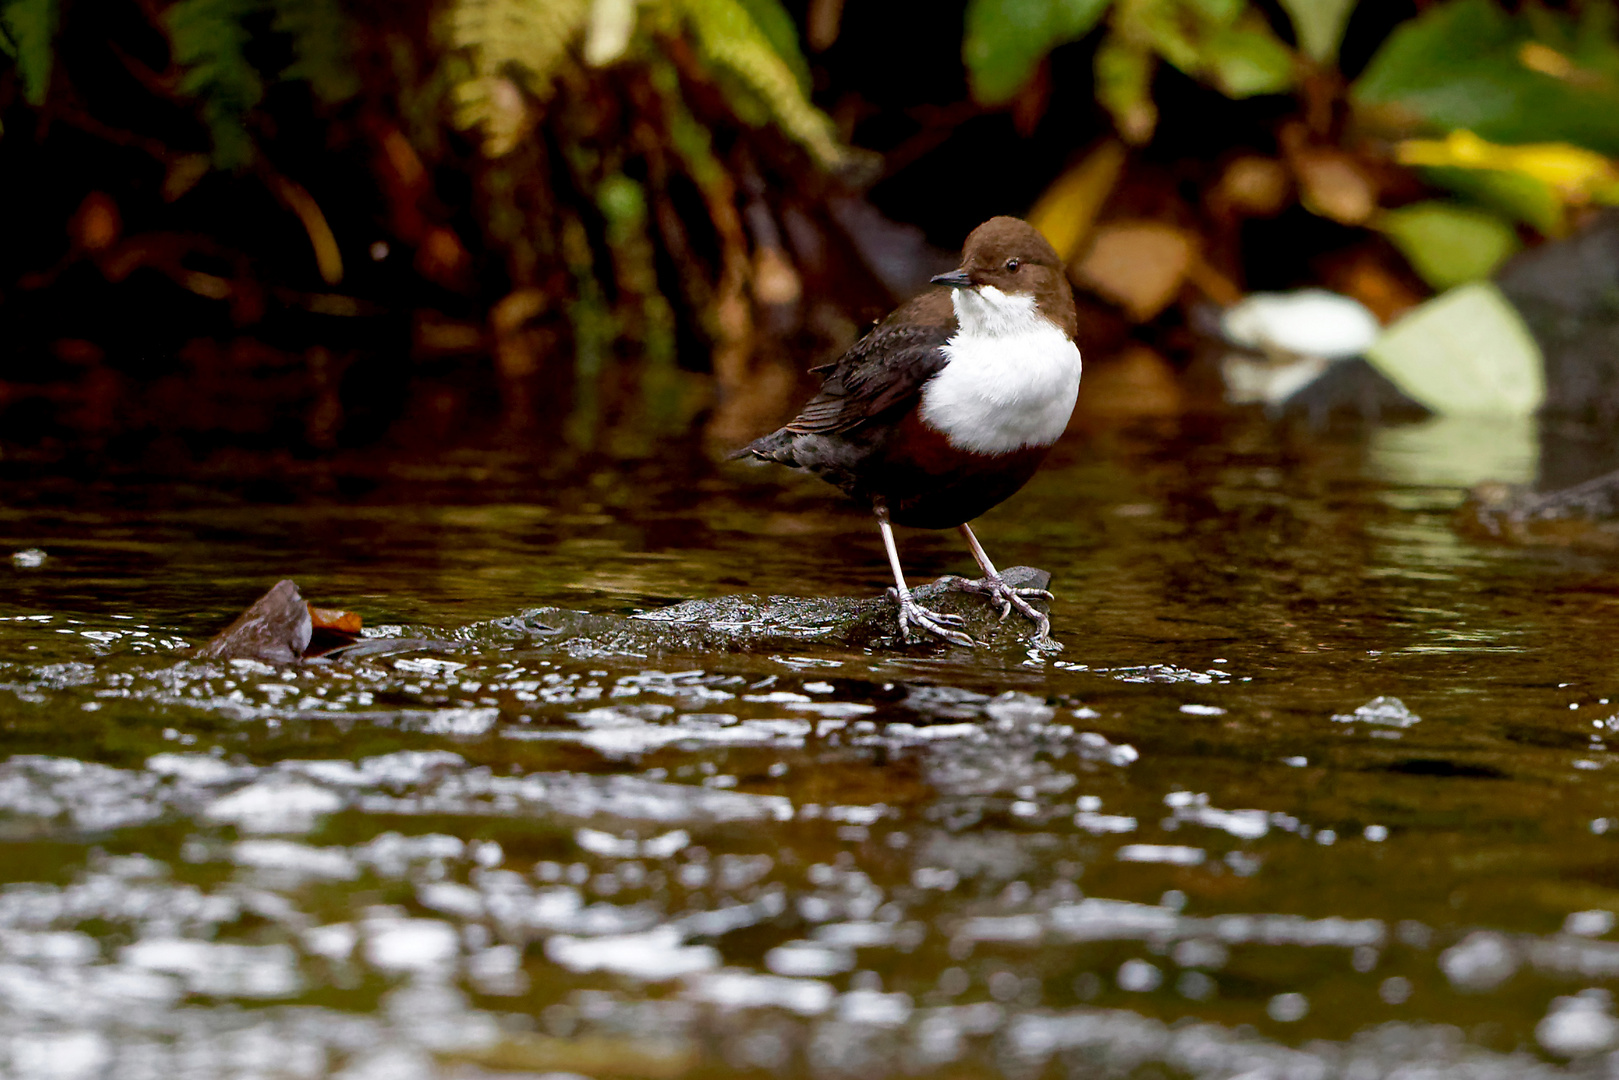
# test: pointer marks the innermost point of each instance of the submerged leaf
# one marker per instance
(1006, 39)
(1449, 244)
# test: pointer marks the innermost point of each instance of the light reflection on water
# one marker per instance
(1193, 842)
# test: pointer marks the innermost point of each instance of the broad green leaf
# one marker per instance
(1448, 244)
(1517, 195)
(1228, 46)
(30, 32)
(1464, 64)
(1319, 25)
(1217, 12)
(1247, 59)
(1006, 39)
(1466, 352)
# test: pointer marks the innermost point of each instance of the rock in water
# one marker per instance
(747, 623)
(276, 629)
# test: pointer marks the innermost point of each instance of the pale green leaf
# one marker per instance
(1319, 25)
(1467, 352)
(1006, 39)
(1448, 244)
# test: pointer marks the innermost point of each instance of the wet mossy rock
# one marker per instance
(748, 622)
(276, 628)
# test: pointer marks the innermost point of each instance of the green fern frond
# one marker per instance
(321, 35)
(778, 28)
(523, 40)
(733, 41)
(27, 30)
(209, 42)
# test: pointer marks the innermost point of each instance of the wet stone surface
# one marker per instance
(1320, 787)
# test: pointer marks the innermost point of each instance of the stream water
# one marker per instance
(1318, 788)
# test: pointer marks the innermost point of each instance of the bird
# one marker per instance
(947, 407)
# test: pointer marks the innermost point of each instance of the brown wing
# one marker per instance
(883, 370)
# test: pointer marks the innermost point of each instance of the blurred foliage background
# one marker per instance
(298, 226)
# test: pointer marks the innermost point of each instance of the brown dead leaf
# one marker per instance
(1382, 290)
(334, 620)
(1254, 186)
(97, 225)
(442, 258)
(516, 308)
(1139, 265)
(1333, 185)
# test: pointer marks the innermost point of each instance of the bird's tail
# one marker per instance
(777, 447)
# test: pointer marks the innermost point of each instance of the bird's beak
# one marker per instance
(956, 279)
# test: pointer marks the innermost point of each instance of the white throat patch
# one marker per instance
(1010, 378)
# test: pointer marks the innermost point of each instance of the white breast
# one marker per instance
(1010, 380)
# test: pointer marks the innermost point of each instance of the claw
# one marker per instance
(938, 623)
(1009, 597)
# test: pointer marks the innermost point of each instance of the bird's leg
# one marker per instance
(995, 587)
(910, 612)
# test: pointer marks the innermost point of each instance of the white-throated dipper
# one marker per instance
(948, 406)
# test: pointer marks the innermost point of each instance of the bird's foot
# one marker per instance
(1009, 597)
(937, 623)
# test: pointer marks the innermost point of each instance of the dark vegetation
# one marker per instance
(302, 226)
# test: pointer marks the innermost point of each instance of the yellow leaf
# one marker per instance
(1067, 209)
(1576, 173)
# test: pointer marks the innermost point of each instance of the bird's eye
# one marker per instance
(1013, 264)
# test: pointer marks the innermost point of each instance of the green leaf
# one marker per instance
(1006, 39)
(1124, 87)
(320, 43)
(1225, 44)
(30, 30)
(209, 41)
(1448, 244)
(1247, 59)
(1466, 352)
(1517, 195)
(1319, 25)
(778, 28)
(1461, 65)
